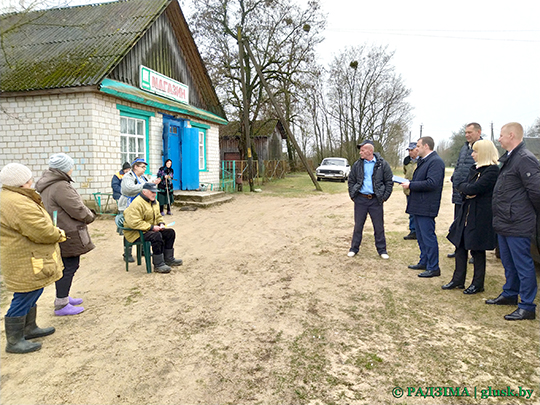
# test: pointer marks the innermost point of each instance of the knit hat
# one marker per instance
(15, 175)
(126, 166)
(62, 162)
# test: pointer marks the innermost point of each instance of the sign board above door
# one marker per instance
(156, 83)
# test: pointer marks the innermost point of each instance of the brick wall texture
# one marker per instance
(86, 126)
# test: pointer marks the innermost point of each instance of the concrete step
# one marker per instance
(202, 199)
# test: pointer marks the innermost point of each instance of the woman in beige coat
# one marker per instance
(29, 254)
(73, 216)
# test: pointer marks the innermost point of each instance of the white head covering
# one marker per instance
(15, 175)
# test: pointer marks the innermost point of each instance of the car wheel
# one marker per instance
(318, 179)
(343, 180)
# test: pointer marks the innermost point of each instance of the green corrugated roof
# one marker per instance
(67, 47)
(140, 96)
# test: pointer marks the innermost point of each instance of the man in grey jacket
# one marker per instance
(516, 202)
(473, 132)
(370, 185)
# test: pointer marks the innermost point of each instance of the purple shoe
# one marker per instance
(69, 310)
(75, 301)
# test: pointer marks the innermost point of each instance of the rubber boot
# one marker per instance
(169, 258)
(130, 258)
(16, 343)
(159, 264)
(31, 330)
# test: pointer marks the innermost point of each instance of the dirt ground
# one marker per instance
(268, 308)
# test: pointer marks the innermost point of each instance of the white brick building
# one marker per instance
(85, 98)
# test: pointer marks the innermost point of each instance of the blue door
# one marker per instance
(181, 145)
(189, 150)
(171, 149)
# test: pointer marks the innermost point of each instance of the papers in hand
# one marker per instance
(399, 180)
(171, 224)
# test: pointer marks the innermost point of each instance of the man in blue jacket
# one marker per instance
(116, 181)
(516, 202)
(424, 203)
(370, 185)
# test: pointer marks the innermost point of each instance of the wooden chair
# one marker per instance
(142, 245)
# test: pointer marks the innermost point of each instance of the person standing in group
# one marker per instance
(116, 182)
(424, 203)
(473, 132)
(132, 183)
(165, 194)
(473, 229)
(409, 166)
(516, 202)
(370, 185)
(62, 201)
(29, 254)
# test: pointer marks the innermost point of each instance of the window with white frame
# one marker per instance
(202, 149)
(132, 139)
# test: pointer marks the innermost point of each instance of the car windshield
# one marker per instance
(333, 162)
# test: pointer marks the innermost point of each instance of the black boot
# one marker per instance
(159, 264)
(31, 330)
(410, 236)
(169, 258)
(130, 258)
(16, 343)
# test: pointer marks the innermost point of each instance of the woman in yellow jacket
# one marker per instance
(29, 255)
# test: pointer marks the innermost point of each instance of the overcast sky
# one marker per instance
(464, 61)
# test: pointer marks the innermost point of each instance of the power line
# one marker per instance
(405, 33)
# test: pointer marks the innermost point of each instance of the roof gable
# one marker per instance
(75, 46)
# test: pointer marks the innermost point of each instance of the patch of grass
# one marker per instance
(367, 360)
(299, 185)
(133, 295)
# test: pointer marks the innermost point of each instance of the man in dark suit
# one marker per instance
(424, 203)
(516, 201)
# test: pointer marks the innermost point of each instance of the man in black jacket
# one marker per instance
(424, 203)
(473, 132)
(516, 200)
(370, 185)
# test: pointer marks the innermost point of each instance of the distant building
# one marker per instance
(106, 83)
(267, 141)
(533, 144)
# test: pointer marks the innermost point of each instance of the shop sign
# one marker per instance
(156, 83)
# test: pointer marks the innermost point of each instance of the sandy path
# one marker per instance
(259, 274)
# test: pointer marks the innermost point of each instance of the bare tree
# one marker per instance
(282, 36)
(534, 130)
(368, 100)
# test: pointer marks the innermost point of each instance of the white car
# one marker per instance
(333, 168)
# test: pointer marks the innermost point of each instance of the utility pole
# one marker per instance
(492, 134)
(245, 120)
(282, 117)
(421, 125)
